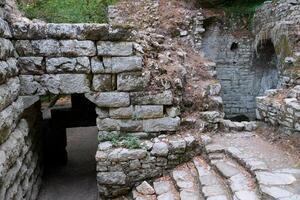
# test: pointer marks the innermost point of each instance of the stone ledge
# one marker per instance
(82, 31)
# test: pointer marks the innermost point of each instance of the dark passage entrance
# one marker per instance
(69, 152)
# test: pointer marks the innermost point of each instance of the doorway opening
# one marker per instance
(69, 146)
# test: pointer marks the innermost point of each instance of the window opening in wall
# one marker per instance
(234, 46)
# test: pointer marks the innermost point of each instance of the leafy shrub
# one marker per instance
(67, 11)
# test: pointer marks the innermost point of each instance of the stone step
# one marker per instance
(144, 191)
(212, 186)
(185, 177)
(165, 189)
(241, 184)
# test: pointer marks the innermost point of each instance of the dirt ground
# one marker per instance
(76, 180)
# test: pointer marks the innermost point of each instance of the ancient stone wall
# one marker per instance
(281, 111)
(278, 22)
(99, 61)
(20, 171)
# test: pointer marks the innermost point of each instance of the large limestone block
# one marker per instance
(38, 47)
(105, 48)
(121, 113)
(133, 81)
(149, 111)
(123, 64)
(8, 118)
(111, 178)
(9, 92)
(31, 85)
(98, 67)
(109, 124)
(8, 69)
(31, 65)
(152, 98)
(123, 155)
(103, 82)
(161, 124)
(109, 99)
(4, 29)
(72, 65)
(66, 83)
(6, 49)
(83, 31)
(77, 48)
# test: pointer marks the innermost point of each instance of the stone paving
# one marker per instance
(228, 171)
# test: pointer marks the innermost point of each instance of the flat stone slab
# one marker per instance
(213, 190)
(227, 169)
(276, 192)
(219, 197)
(245, 195)
(269, 178)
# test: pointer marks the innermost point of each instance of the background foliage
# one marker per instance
(67, 11)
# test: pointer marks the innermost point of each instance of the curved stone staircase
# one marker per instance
(223, 173)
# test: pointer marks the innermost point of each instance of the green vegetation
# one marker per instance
(126, 141)
(241, 7)
(67, 11)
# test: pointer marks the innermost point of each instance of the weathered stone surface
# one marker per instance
(102, 82)
(121, 113)
(8, 69)
(276, 192)
(111, 178)
(4, 29)
(73, 65)
(38, 48)
(177, 145)
(119, 125)
(109, 99)
(114, 48)
(212, 116)
(8, 118)
(31, 85)
(173, 111)
(133, 81)
(31, 65)
(227, 169)
(102, 112)
(98, 67)
(148, 112)
(9, 92)
(213, 190)
(245, 195)
(152, 98)
(77, 48)
(121, 155)
(123, 64)
(145, 188)
(52, 47)
(82, 31)
(7, 49)
(66, 83)
(160, 149)
(269, 178)
(161, 124)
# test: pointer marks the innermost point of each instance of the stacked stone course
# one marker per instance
(284, 113)
(20, 171)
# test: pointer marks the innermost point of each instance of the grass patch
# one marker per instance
(67, 11)
(126, 141)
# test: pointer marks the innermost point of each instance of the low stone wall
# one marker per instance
(284, 112)
(119, 169)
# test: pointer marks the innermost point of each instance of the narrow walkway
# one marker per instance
(76, 180)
